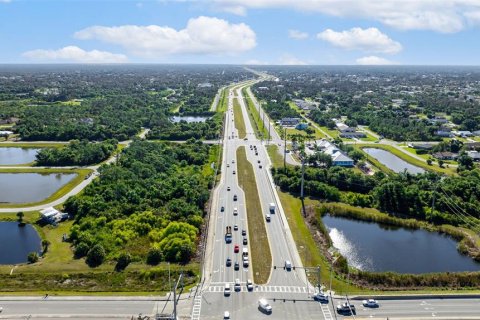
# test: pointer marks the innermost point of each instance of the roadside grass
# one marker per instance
(239, 122)
(223, 101)
(258, 127)
(307, 248)
(81, 174)
(409, 159)
(33, 144)
(261, 257)
(275, 156)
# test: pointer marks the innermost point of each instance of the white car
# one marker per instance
(370, 303)
(237, 285)
(264, 306)
(227, 290)
(288, 265)
(226, 315)
(321, 297)
(249, 285)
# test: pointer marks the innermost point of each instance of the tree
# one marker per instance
(45, 245)
(32, 257)
(20, 216)
(154, 256)
(95, 256)
(81, 250)
(429, 161)
(465, 162)
(123, 261)
(440, 163)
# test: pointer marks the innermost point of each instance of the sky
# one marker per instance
(283, 32)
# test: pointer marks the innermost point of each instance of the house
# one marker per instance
(5, 133)
(262, 88)
(472, 145)
(338, 157)
(289, 122)
(351, 135)
(475, 155)
(438, 120)
(463, 134)
(444, 133)
(342, 127)
(52, 215)
(422, 146)
(445, 155)
(476, 133)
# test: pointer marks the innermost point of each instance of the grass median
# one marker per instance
(239, 121)
(258, 126)
(257, 232)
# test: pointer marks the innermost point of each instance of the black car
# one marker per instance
(222, 209)
(245, 241)
(244, 232)
(229, 262)
(235, 197)
(236, 266)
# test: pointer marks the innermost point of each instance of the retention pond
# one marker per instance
(17, 242)
(392, 161)
(374, 247)
(30, 187)
(15, 155)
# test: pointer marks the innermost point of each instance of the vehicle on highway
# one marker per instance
(321, 297)
(228, 188)
(256, 153)
(227, 290)
(228, 165)
(244, 232)
(226, 315)
(235, 227)
(249, 285)
(245, 241)
(370, 303)
(267, 217)
(258, 161)
(234, 197)
(245, 262)
(236, 267)
(236, 249)
(245, 252)
(271, 207)
(235, 211)
(264, 306)
(260, 166)
(234, 172)
(222, 208)
(245, 139)
(237, 286)
(229, 262)
(346, 308)
(228, 234)
(233, 160)
(288, 265)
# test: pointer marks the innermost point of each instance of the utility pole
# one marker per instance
(269, 127)
(302, 196)
(285, 150)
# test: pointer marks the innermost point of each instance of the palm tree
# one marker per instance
(45, 245)
(20, 216)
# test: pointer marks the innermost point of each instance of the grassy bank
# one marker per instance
(257, 232)
(81, 174)
(33, 144)
(239, 122)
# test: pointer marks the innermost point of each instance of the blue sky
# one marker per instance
(241, 32)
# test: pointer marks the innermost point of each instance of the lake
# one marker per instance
(15, 155)
(16, 243)
(189, 119)
(373, 247)
(30, 187)
(392, 161)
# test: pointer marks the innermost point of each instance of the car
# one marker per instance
(235, 227)
(227, 290)
(228, 188)
(264, 306)
(235, 211)
(234, 172)
(229, 262)
(228, 165)
(234, 197)
(245, 139)
(237, 286)
(321, 297)
(236, 248)
(245, 262)
(245, 241)
(260, 166)
(244, 232)
(233, 160)
(288, 265)
(267, 217)
(249, 285)
(256, 153)
(370, 303)
(346, 308)
(258, 161)
(226, 315)
(222, 208)
(236, 266)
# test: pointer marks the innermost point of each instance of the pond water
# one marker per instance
(373, 247)
(392, 161)
(30, 187)
(189, 119)
(14, 155)
(16, 243)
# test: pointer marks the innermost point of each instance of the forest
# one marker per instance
(76, 153)
(457, 198)
(149, 206)
(209, 130)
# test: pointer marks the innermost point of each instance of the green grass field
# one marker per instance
(239, 121)
(260, 252)
(260, 129)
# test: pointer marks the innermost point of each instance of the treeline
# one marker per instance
(209, 130)
(77, 153)
(457, 198)
(149, 206)
(280, 110)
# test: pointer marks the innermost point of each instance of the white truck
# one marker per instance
(272, 207)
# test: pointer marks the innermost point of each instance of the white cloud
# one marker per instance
(298, 35)
(202, 35)
(445, 16)
(5, 1)
(255, 62)
(290, 60)
(370, 40)
(75, 54)
(374, 60)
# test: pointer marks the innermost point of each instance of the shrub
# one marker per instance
(32, 257)
(95, 256)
